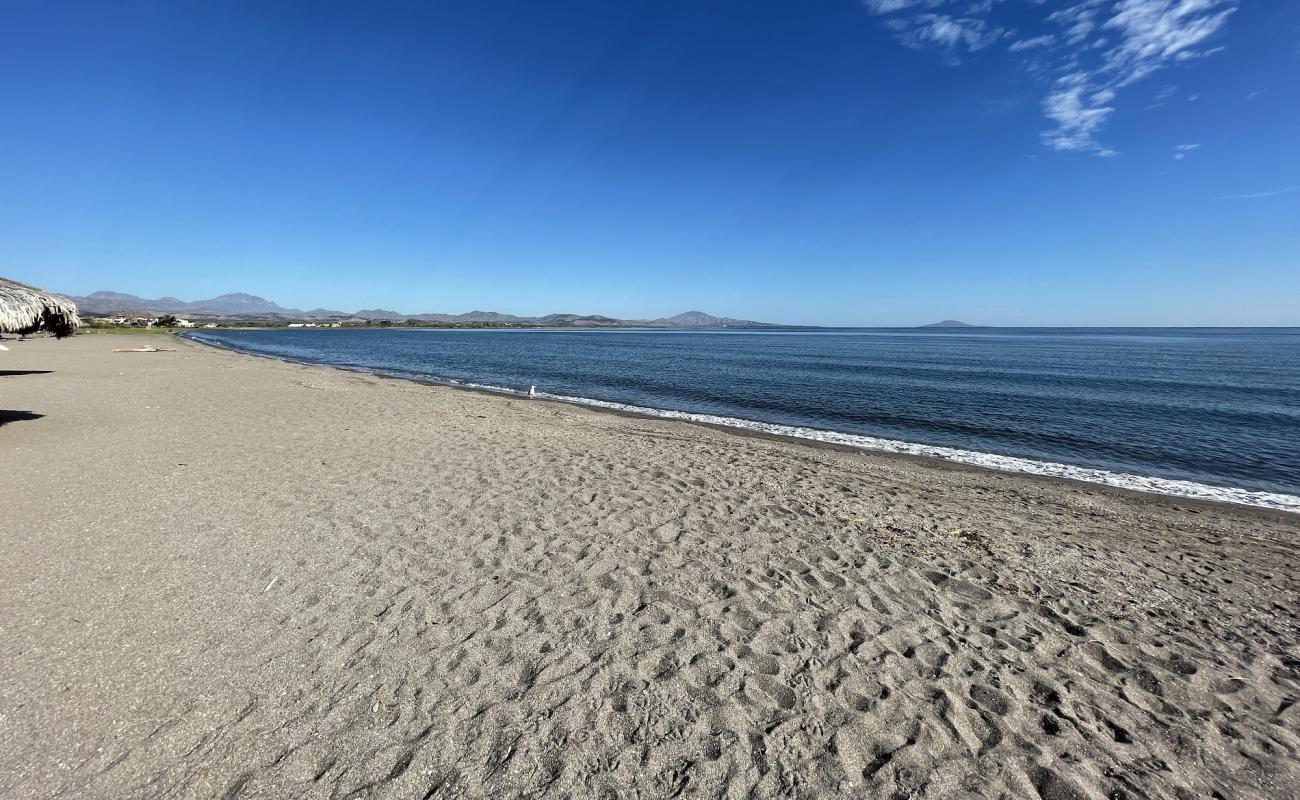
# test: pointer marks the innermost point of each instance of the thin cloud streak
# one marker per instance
(1261, 195)
(952, 34)
(1032, 42)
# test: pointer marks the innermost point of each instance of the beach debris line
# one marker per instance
(144, 349)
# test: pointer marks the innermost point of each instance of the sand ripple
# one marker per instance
(291, 582)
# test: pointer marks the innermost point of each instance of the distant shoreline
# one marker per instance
(775, 328)
(1174, 489)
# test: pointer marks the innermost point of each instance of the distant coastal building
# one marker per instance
(127, 320)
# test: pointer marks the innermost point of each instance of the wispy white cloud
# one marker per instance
(1087, 51)
(953, 34)
(1032, 42)
(1260, 195)
(1162, 97)
(1079, 112)
(1078, 21)
(890, 6)
(1152, 32)
(1181, 150)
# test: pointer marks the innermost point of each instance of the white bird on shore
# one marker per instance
(532, 392)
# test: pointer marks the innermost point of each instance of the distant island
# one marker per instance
(247, 309)
(950, 323)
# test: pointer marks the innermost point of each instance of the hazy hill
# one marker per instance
(251, 307)
(698, 319)
(380, 313)
(950, 323)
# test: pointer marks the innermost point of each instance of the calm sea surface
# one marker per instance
(1199, 412)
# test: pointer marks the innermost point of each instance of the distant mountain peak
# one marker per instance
(699, 319)
(950, 323)
(380, 313)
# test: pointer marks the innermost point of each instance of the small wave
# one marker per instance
(1121, 480)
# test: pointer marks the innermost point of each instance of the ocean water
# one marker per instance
(1209, 413)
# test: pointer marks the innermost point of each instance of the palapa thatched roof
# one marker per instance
(26, 309)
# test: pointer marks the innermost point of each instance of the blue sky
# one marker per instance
(854, 163)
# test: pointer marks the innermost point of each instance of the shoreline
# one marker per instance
(231, 576)
(1142, 485)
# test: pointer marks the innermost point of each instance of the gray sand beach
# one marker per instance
(230, 577)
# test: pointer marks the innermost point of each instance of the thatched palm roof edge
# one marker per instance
(26, 309)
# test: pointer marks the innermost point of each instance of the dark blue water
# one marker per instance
(1213, 406)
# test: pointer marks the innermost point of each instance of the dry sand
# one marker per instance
(223, 576)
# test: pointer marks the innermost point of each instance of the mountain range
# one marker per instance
(240, 306)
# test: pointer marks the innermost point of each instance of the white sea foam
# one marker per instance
(1122, 480)
(1167, 486)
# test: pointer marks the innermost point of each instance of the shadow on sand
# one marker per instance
(18, 416)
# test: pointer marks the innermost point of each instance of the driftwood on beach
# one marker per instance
(26, 309)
